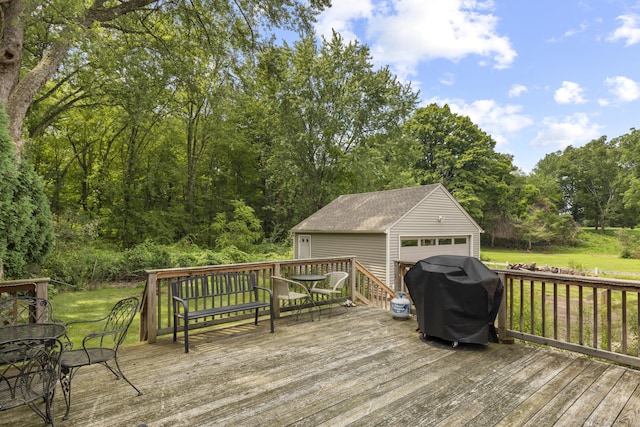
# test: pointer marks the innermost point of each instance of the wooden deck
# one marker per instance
(361, 369)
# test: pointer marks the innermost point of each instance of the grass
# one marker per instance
(94, 304)
(592, 251)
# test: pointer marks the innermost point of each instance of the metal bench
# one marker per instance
(206, 296)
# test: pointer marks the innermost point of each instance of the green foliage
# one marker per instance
(145, 256)
(88, 263)
(26, 233)
(458, 154)
(85, 266)
(324, 110)
(9, 184)
(630, 244)
(240, 229)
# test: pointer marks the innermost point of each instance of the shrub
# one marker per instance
(145, 256)
(630, 244)
(85, 266)
(26, 232)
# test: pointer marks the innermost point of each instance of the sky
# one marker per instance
(536, 75)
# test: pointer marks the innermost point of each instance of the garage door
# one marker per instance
(413, 249)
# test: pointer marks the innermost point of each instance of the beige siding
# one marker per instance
(423, 221)
(439, 215)
(368, 248)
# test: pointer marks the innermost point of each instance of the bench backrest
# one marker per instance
(218, 288)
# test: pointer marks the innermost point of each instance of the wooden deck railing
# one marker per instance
(33, 287)
(598, 317)
(156, 316)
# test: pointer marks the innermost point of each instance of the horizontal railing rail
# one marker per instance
(595, 316)
(31, 287)
(156, 317)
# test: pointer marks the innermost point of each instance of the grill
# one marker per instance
(456, 299)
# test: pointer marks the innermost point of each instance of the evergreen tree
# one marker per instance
(26, 231)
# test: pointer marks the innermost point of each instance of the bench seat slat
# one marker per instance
(223, 310)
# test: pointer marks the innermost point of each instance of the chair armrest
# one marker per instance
(67, 343)
(99, 336)
(74, 322)
(317, 282)
(295, 283)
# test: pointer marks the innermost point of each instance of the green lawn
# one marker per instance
(94, 304)
(593, 251)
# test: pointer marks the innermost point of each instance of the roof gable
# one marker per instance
(366, 212)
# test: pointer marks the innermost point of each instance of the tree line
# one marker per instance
(169, 121)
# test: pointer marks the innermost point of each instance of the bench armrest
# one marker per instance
(185, 304)
(269, 291)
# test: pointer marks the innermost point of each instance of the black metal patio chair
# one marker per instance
(100, 346)
(29, 370)
(24, 309)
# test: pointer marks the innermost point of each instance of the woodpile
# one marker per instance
(532, 266)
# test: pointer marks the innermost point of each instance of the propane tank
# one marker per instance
(400, 307)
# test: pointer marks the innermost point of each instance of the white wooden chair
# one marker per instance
(292, 291)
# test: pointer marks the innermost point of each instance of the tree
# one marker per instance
(129, 106)
(458, 154)
(240, 229)
(37, 38)
(325, 107)
(595, 171)
(629, 145)
(26, 234)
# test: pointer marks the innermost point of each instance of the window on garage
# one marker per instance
(415, 248)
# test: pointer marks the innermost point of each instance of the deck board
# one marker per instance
(360, 369)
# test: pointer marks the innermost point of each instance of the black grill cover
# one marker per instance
(456, 298)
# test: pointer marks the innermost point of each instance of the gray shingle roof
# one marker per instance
(365, 212)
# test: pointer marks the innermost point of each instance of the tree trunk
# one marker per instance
(17, 93)
(11, 53)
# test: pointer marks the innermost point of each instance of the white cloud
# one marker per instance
(628, 31)
(517, 90)
(340, 17)
(569, 93)
(623, 88)
(402, 33)
(572, 32)
(559, 133)
(497, 120)
(448, 79)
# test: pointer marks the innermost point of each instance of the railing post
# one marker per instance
(276, 300)
(42, 289)
(148, 316)
(352, 279)
(502, 313)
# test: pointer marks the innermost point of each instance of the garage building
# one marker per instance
(382, 227)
